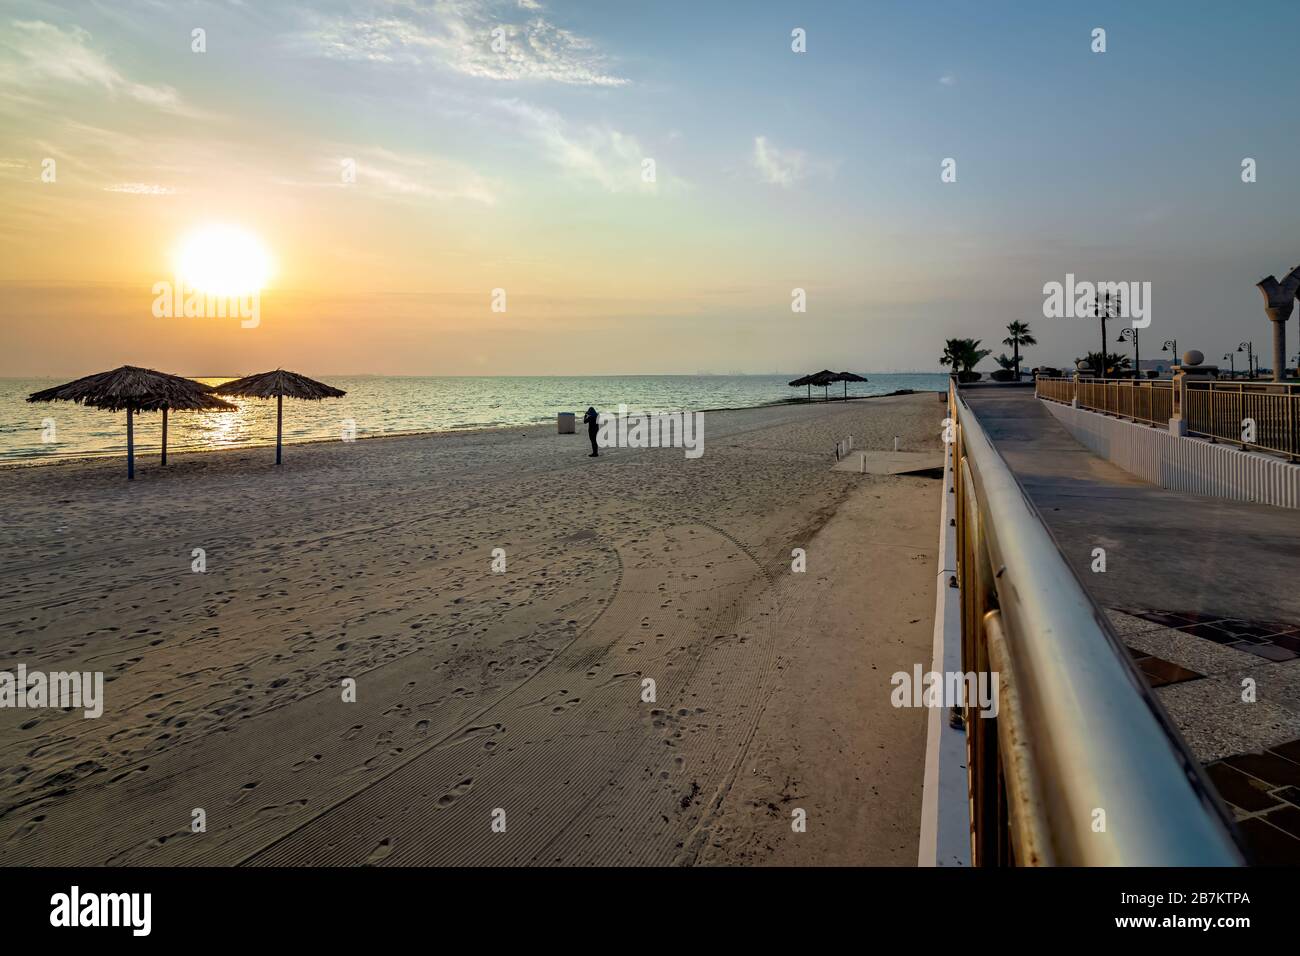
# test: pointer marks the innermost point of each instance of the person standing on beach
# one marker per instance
(589, 419)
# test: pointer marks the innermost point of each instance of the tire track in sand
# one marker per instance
(585, 771)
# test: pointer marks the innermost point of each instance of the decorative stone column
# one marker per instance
(1279, 300)
(1191, 370)
(1082, 370)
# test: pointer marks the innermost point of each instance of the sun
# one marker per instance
(223, 260)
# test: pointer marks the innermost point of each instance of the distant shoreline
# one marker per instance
(368, 375)
(144, 452)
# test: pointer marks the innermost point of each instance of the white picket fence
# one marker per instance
(1193, 465)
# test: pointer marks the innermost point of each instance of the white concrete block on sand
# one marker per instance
(890, 462)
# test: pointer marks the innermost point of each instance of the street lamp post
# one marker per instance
(1125, 334)
(1232, 364)
(1100, 313)
(1249, 348)
(1171, 346)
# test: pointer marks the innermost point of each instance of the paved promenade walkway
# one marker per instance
(1203, 592)
(1164, 549)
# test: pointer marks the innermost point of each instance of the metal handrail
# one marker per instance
(1079, 730)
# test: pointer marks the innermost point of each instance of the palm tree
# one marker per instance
(963, 354)
(1113, 361)
(1018, 335)
(1008, 363)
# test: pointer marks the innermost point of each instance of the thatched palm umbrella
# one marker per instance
(279, 384)
(135, 390)
(821, 379)
(847, 377)
(801, 382)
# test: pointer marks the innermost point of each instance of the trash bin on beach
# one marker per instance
(565, 420)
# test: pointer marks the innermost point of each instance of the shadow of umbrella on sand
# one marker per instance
(277, 385)
(136, 390)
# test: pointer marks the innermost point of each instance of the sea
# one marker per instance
(389, 405)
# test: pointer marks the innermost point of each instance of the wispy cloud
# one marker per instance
(425, 178)
(489, 39)
(784, 166)
(386, 174)
(596, 153)
(35, 53)
(140, 189)
(948, 80)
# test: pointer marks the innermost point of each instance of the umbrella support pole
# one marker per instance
(279, 424)
(164, 444)
(130, 444)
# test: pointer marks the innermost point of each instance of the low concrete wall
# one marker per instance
(1183, 464)
(945, 801)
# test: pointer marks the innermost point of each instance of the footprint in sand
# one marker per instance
(127, 773)
(456, 792)
(620, 679)
(244, 791)
(473, 733)
(27, 829)
(380, 852)
(277, 810)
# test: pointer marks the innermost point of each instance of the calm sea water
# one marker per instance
(382, 405)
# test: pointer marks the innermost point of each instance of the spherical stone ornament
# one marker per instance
(1193, 357)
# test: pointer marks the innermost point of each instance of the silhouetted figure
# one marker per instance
(589, 419)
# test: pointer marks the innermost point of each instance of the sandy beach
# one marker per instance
(512, 698)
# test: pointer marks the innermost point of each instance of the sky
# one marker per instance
(400, 161)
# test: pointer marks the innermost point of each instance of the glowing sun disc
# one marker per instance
(223, 260)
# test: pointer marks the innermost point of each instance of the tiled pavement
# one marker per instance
(1233, 689)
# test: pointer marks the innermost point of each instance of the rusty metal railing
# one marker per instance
(1080, 765)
